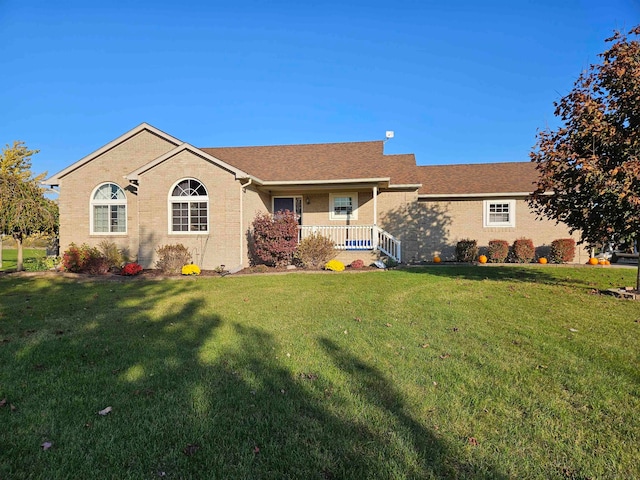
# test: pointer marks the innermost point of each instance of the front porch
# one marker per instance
(357, 237)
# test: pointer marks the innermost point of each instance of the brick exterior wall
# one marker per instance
(222, 244)
(77, 186)
(429, 228)
(254, 202)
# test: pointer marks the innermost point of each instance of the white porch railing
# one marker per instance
(389, 245)
(357, 237)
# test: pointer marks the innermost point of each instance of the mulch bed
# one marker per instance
(154, 274)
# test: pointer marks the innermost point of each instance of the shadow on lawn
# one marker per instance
(198, 396)
(551, 275)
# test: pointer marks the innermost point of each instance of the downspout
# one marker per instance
(242, 190)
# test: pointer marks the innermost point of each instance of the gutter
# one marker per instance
(472, 195)
(325, 182)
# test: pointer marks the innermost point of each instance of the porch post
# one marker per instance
(375, 205)
(374, 230)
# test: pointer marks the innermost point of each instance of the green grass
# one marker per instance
(452, 372)
(10, 256)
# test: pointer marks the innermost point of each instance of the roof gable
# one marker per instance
(133, 176)
(55, 179)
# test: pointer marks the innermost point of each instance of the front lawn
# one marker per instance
(441, 372)
(10, 256)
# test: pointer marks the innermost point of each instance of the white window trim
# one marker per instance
(354, 205)
(93, 203)
(171, 200)
(512, 214)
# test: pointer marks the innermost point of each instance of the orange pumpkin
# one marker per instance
(593, 261)
(542, 260)
(607, 262)
(482, 259)
(437, 259)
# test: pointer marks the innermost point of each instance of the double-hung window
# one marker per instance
(499, 213)
(189, 207)
(108, 210)
(343, 206)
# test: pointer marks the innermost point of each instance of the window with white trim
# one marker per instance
(108, 210)
(499, 213)
(189, 207)
(343, 206)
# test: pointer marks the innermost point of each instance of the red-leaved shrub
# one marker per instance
(523, 250)
(563, 250)
(84, 259)
(498, 251)
(131, 269)
(357, 264)
(274, 238)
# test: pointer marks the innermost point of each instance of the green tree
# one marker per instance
(24, 210)
(589, 168)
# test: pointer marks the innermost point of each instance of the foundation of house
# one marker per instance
(348, 256)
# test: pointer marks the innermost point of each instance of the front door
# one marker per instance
(293, 204)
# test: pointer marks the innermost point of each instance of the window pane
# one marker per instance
(109, 191)
(189, 188)
(342, 205)
(198, 216)
(100, 218)
(499, 213)
(118, 219)
(180, 217)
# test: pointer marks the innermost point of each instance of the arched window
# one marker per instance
(189, 207)
(108, 210)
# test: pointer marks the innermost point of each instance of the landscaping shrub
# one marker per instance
(259, 269)
(75, 258)
(523, 250)
(498, 251)
(131, 269)
(357, 264)
(97, 264)
(334, 265)
(171, 258)
(190, 269)
(112, 254)
(466, 250)
(41, 264)
(84, 259)
(563, 250)
(274, 238)
(314, 251)
(390, 262)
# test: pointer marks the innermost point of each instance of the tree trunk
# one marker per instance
(19, 265)
(638, 273)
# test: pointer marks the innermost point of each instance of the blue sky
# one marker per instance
(458, 82)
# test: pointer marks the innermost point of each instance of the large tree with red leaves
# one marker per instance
(589, 168)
